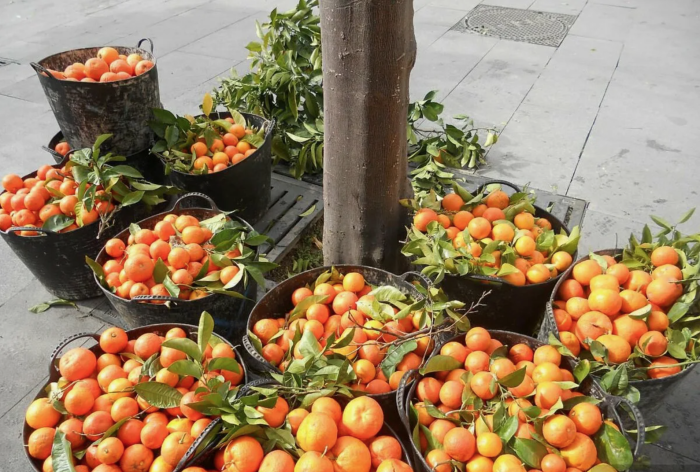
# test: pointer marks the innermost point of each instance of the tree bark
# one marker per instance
(369, 50)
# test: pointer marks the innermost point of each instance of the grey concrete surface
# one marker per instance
(609, 116)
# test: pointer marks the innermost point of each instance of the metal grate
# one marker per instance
(536, 27)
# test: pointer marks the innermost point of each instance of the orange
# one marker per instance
(664, 271)
(559, 431)
(428, 388)
(439, 429)
(502, 367)
(664, 255)
(569, 289)
(295, 417)
(97, 423)
(317, 432)
(452, 202)
(451, 394)
(110, 450)
(343, 302)
(547, 353)
(638, 281)
(483, 384)
(139, 267)
(658, 321)
(313, 462)
(629, 329)
(546, 372)
(384, 448)
(663, 291)
(351, 455)
(581, 453)
(547, 394)
(584, 271)
(176, 444)
(570, 341)
(95, 67)
(478, 339)
(40, 443)
(497, 199)
(587, 418)
(113, 340)
(489, 444)
(619, 271)
(124, 408)
(653, 343)
(508, 463)
(604, 281)
(632, 301)
(525, 246)
(592, 325)
(363, 417)
(108, 54)
(394, 465)
(423, 218)
(459, 444)
(479, 228)
(353, 282)
(605, 301)
(78, 363)
(538, 273)
(438, 461)
(504, 232)
(662, 367)
(552, 463)
(73, 429)
(520, 352)
(562, 319)
(494, 214)
(136, 458)
(561, 260)
(41, 414)
(462, 219)
(147, 345)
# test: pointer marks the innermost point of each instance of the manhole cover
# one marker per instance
(536, 27)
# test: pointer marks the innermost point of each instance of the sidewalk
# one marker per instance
(607, 116)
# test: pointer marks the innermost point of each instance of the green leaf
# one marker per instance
(508, 428)
(172, 288)
(304, 305)
(57, 222)
(613, 448)
(440, 363)
(686, 216)
(206, 328)
(61, 454)
(186, 367)
(158, 394)
(582, 370)
(388, 293)
(225, 363)
(164, 116)
(160, 271)
(132, 197)
(185, 345)
(308, 212)
(642, 313)
(661, 222)
(514, 379)
(127, 171)
(42, 307)
(529, 451)
(97, 269)
(395, 355)
(237, 117)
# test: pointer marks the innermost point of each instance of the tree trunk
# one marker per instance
(369, 50)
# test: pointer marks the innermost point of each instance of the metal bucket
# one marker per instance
(652, 392)
(84, 111)
(276, 302)
(159, 329)
(58, 259)
(508, 307)
(229, 313)
(244, 187)
(609, 404)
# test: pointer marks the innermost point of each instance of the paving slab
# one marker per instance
(179, 72)
(567, 7)
(522, 4)
(28, 338)
(602, 230)
(604, 22)
(432, 22)
(494, 89)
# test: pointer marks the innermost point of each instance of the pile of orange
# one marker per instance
(228, 150)
(32, 201)
(342, 314)
(181, 243)
(108, 66)
(329, 438)
(596, 303)
(471, 228)
(474, 389)
(97, 392)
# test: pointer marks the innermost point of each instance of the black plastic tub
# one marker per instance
(610, 405)
(229, 313)
(84, 111)
(244, 187)
(276, 302)
(652, 392)
(58, 259)
(205, 446)
(508, 307)
(159, 329)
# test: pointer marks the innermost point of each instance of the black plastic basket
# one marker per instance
(509, 307)
(204, 447)
(229, 313)
(58, 259)
(159, 329)
(277, 300)
(609, 404)
(244, 187)
(84, 111)
(652, 392)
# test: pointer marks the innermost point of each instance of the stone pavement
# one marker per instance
(607, 116)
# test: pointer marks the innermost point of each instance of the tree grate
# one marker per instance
(535, 27)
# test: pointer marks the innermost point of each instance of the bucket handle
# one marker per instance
(402, 398)
(502, 182)
(12, 229)
(41, 69)
(149, 42)
(64, 343)
(148, 298)
(492, 281)
(56, 156)
(179, 201)
(638, 419)
(407, 276)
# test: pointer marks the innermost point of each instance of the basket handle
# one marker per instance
(402, 398)
(56, 156)
(179, 201)
(149, 42)
(494, 282)
(42, 70)
(64, 343)
(148, 298)
(638, 419)
(12, 229)
(411, 276)
(496, 181)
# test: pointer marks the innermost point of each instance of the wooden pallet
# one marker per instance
(283, 221)
(570, 211)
